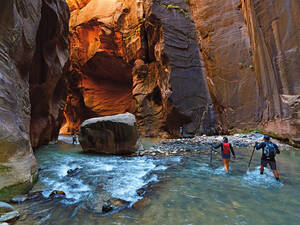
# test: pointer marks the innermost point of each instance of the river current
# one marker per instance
(185, 189)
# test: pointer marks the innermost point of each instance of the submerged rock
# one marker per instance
(142, 203)
(19, 199)
(72, 172)
(10, 216)
(57, 194)
(116, 135)
(35, 195)
(114, 204)
(5, 207)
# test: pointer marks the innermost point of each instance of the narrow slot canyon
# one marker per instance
(189, 69)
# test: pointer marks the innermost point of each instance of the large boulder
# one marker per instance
(117, 135)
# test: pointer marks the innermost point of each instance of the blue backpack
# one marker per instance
(270, 150)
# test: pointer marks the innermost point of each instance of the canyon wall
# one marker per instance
(99, 80)
(47, 75)
(28, 70)
(141, 57)
(251, 53)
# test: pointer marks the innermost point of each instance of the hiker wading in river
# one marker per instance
(226, 148)
(269, 151)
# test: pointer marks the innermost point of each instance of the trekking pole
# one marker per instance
(251, 157)
(211, 150)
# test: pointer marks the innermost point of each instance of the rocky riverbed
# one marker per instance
(202, 144)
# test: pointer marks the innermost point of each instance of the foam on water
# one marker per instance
(266, 180)
(119, 176)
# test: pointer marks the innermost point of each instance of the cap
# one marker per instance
(266, 137)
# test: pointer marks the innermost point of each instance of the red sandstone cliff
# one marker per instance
(140, 57)
(251, 54)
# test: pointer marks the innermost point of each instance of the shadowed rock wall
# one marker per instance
(28, 58)
(47, 75)
(19, 23)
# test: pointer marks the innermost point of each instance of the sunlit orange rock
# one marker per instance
(104, 41)
(141, 57)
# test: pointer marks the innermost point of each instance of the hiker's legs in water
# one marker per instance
(275, 172)
(262, 169)
(274, 169)
(226, 164)
(263, 164)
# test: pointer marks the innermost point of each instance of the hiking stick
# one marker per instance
(251, 157)
(211, 150)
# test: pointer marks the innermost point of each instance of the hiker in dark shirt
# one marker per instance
(74, 139)
(226, 147)
(269, 150)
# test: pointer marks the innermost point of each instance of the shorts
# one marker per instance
(225, 156)
(265, 162)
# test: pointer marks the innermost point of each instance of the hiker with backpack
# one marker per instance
(269, 151)
(226, 148)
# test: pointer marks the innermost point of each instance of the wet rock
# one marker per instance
(96, 204)
(35, 195)
(57, 194)
(116, 135)
(141, 204)
(10, 216)
(114, 204)
(19, 199)
(5, 207)
(73, 172)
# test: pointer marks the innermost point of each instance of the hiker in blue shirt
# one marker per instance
(269, 150)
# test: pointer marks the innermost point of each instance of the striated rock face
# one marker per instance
(117, 135)
(19, 24)
(274, 30)
(31, 62)
(183, 89)
(251, 54)
(225, 45)
(139, 57)
(47, 75)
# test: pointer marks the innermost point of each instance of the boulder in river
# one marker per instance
(10, 216)
(19, 199)
(72, 172)
(116, 135)
(57, 194)
(4, 208)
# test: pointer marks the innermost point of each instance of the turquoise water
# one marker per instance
(186, 190)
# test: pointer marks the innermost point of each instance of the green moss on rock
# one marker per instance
(7, 193)
(5, 169)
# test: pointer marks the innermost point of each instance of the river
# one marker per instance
(185, 189)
